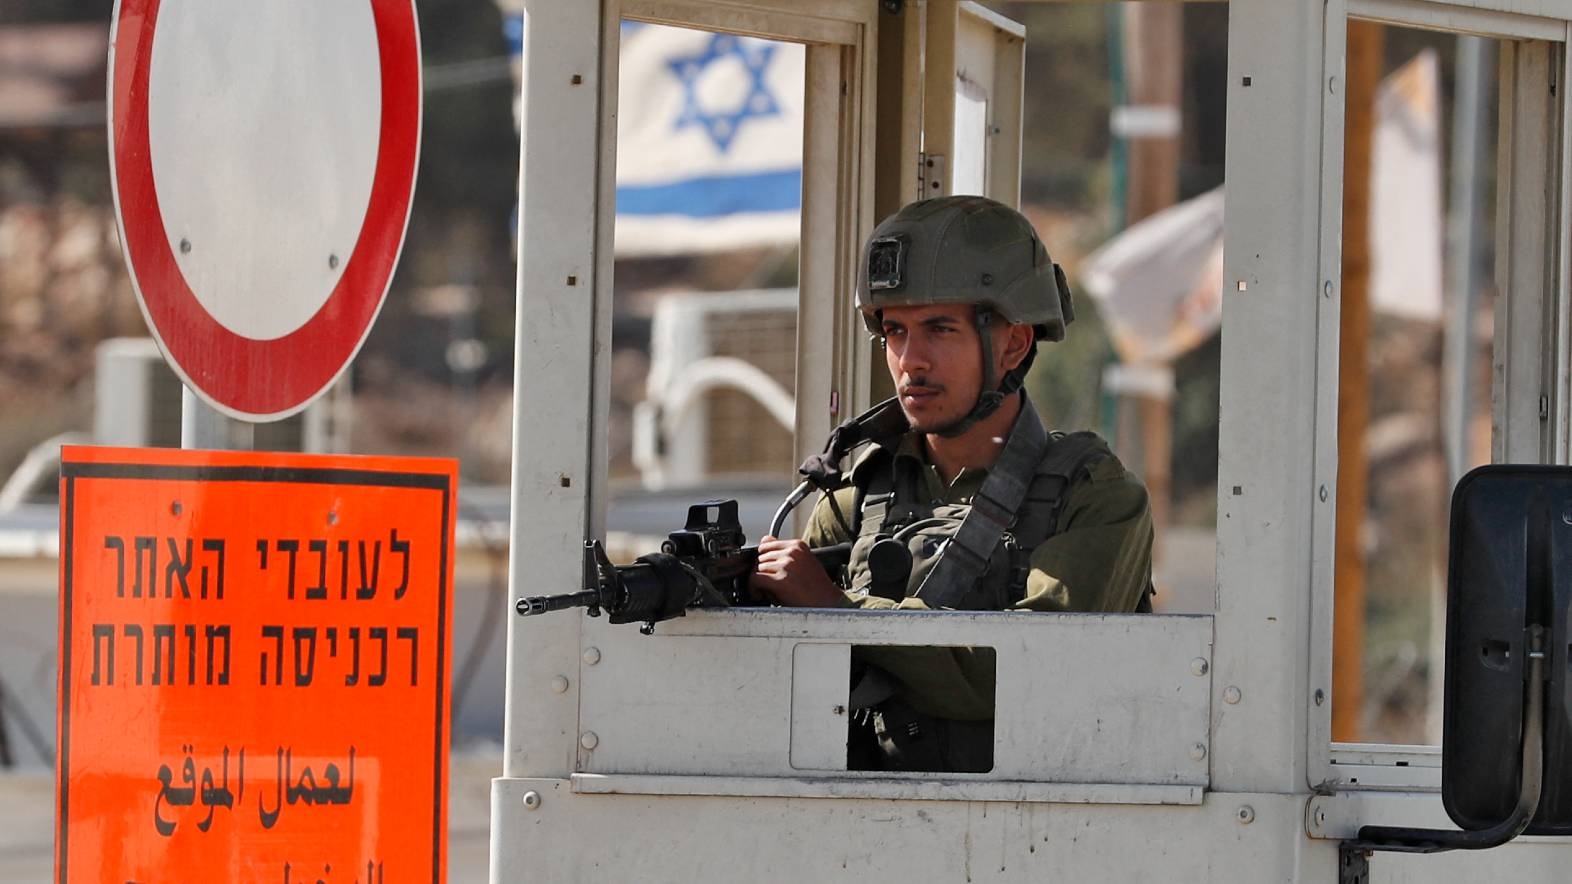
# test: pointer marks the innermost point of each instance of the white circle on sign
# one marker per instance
(263, 128)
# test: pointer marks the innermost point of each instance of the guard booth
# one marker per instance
(1128, 747)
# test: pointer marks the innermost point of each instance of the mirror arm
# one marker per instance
(1400, 839)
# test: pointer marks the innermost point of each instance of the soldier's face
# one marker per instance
(935, 360)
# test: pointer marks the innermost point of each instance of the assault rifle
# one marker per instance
(704, 565)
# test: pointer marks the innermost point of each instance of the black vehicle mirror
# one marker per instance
(1509, 571)
(1506, 752)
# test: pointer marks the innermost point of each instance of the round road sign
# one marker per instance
(263, 158)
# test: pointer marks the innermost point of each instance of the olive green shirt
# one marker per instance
(1099, 560)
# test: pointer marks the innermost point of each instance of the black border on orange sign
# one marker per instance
(70, 471)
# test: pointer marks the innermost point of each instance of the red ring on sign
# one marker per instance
(247, 376)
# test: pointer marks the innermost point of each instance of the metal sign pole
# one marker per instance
(201, 426)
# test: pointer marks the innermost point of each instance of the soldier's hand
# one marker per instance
(789, 575)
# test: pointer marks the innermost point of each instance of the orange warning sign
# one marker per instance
(253, 667)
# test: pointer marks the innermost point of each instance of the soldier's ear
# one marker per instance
(1018, 340)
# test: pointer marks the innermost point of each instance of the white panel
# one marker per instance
(604, 255)
(1081, 698)
(1459, 18)
(989, 65)
(1002, 791)
(1004, 146)
(1329, 316)
(819, 690)
(1270, 420)
(1126, 701)
(685, 839)
(1375, 766)
(1561, 358)
(669, 704)
(969, 162)
(554, 363)
(811, 21)
(1525, 218)
(1005, 26)
(833, 355)
(975, 49)
(825, 296)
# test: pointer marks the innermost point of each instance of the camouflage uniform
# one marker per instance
(1073, 535)
(1099, 559)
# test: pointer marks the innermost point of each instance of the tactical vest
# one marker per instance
(893, 506)
(885, 732)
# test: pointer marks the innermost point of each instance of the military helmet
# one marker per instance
(964, 250)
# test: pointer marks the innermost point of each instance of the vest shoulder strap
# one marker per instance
(965, 555)
(1069, 454)
(1069, 457)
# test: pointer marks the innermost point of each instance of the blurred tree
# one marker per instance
(1066, 380)
(460, 223)
(1065, 136)
(53, 11)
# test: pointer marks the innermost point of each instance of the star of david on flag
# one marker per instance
(709, 141)
(723, 122)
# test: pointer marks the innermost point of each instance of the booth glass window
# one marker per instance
(1415, 403)
(704, 339)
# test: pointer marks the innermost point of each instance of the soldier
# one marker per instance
(960, 499)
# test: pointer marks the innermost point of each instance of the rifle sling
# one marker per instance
(964, 557)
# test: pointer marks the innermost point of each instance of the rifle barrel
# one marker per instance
(529, 606)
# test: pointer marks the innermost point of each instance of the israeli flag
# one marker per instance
(709, 140)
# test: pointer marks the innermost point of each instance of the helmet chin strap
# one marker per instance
(995, 390)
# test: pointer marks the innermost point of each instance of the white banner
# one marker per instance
(1406, 225)
(1159, 284)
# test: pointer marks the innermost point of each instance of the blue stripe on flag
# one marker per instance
(714, 196)
(513, 34)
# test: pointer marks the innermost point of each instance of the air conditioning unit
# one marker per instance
(137, 403)
(719, 402)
